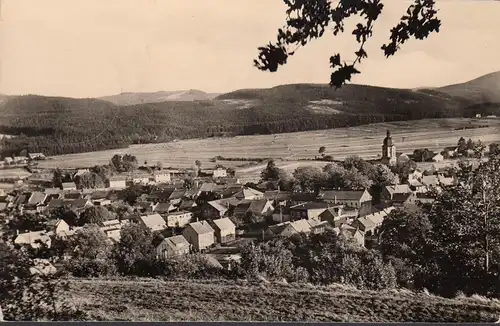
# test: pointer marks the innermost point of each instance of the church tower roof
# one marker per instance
(388, 139)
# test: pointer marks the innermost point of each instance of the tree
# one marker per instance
(89, 243)
(309, 178)
(90, 180)
(125, 163)
(271, 172)
(470, 144)
(462, 146)
(309, 19)
(478, 149)
(134, 253)
(322, 150)
(383, 176)
(29, 295)
(131, 193)
(95, 215)
(494, 149)
(407, 236)
(159, 165)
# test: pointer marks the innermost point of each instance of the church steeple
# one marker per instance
(388, 150)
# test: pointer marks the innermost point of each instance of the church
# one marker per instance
(388, 151)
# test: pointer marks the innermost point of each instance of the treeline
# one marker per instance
(61, 126)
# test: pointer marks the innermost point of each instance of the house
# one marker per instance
(176, 196)
(101, 202)
(430, 181)
(360, 199)
(8, 161)
(281, 214)
(154, 222)
(351, 233)
(248, 194)
(301, 198)
(179, 219)
(36, 198)
(416, 175)
(401, 200)
(117, 182)
(438, 158)
(58, 226)
(36, 156)
(188, 204)
(33, 239)
(162, 177)
(219, 173)
(200, 235)
(369, 224)
(224, 230)
(310, 210)
(420, 198)
(112, 229)
(69, 186)
(173, 247)
(163, 208)
(20, 159)
(278, 197)
(259, 208)
(388, 192)
(416, 186)
(335, 216)
(284, 229)
(451, 151)
(215, 209)
(140, 179)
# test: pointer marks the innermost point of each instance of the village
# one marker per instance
(210, 211)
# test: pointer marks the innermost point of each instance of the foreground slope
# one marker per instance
(154, 300)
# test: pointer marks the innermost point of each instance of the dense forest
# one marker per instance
(55, 125)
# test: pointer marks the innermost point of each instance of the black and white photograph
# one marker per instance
(250, 161)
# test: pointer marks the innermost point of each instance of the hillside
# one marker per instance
(157, 97)
(56, 125)
(154, 300)
(484, 89)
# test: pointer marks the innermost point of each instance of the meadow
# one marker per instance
(290, 149)
(157, 300)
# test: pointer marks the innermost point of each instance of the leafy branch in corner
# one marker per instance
(309, 19)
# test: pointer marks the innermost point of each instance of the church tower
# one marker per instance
(388, 150)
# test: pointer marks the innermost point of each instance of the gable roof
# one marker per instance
(398, 189)
(311, 205)
(218, 205)
(224, 224)
(177, 242)
(201, 227)
(36, 198)
(247, 192)
(153, 221)
(401, 197)
(163, 207)
(344, 195)
(68, 185)
(281, 227)
(208, 187)
(301, 226)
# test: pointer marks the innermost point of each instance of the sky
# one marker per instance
(90, 48)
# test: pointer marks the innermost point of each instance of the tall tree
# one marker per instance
(309, 19)
(271, 172)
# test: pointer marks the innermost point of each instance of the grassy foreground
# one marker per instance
(155, 300)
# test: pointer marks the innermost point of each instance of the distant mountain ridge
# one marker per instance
(483, 89)
(58, 125)
(134, 98)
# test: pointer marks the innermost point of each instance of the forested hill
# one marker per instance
(56, 125)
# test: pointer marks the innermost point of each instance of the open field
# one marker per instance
(13, 173)
(364, 141)
(155, 300)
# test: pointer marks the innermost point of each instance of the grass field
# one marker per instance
(364, 141)
(154, 300)
(13, 173)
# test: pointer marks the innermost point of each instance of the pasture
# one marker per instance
(290, 148)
